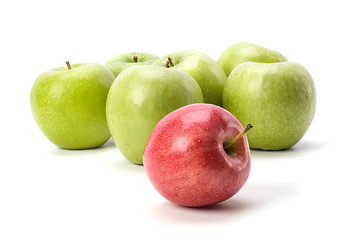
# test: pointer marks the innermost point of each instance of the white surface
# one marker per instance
(308, 192)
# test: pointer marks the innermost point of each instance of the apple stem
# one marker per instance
(68, 65)
(248, 127)
(169, 63)
(135, 58)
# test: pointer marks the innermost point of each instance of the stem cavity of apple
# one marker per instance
(169, 63)
(248, 127)
(68, 65)
(135, 58)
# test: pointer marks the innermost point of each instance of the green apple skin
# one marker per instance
(242, 52)
(69, 105)
(209, 75)
(139, 98)
(120, 62)
(279, 99)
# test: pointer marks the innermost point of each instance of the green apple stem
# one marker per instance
(68, 65)
(169, 63)
(248, 127)
(135, 58)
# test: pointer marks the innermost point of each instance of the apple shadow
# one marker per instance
(172, 213)
(301, 148)
(250, 198)
(60, 152)
(121, 164)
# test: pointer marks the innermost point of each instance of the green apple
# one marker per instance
(68, 104)
(202, 68)
(242, 52)
(123, 61)
(277, 98)
(139, 98)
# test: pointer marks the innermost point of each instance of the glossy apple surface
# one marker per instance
(242, 52)
(120, 62)
(139, 98)
(68, 105)
(279, 99)
(203, 69)
(185, 158)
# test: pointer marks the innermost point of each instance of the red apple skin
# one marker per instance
(185, 160)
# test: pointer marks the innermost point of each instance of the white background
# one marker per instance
(308, 192)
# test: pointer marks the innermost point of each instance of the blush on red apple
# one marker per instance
(198, 155)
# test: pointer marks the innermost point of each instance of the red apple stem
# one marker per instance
(135, 58)
(169, 63)
(68, 65)
(248, 127)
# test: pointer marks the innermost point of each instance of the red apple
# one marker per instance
(198, 155)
